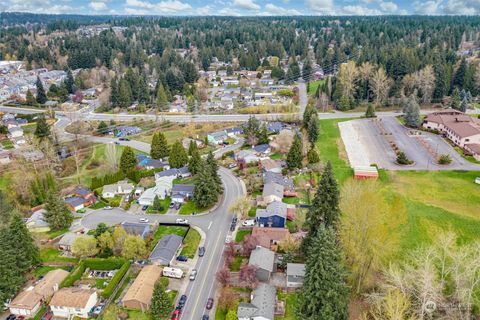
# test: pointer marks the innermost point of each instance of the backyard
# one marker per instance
(190, 243)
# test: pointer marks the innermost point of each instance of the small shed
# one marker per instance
(365, 172)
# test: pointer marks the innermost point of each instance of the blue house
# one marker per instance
(275, 216)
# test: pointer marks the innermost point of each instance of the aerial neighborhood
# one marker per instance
(165, 163)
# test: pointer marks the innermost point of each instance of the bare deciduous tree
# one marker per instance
(380, 85)
(347, 78)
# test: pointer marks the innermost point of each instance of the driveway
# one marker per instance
(368, 141)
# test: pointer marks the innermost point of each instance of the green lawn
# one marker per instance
(40, 313)
(43, 270)
(252, 212)
(237, 263)
(290, 305)
(53, 255)
(7, 144)
(313, 86)
(241, 235)
(98, 205)
(190, 207)
(291, 200)
(276, 156)
(164, 230)
(191, 241)
(56, 233)
(165, 203)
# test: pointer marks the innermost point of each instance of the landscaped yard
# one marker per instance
(191, 242)
(313, 86)
(290, 305)
(190, 207)
(165, 203)
(237, 263)
(241, 235)
(164, 230)
(7, 144)
(53, 255)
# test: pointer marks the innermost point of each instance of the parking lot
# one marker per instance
(370, 141)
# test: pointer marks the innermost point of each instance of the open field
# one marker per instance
(434, 200)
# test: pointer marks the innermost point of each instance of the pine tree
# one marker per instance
(192, 147)
(70, 82)
(143, 95)
(160, 307)
(324, 207)
(205, 189)
(162, 100)
(30, 99)
(412, 113)
(212, 167)
(114, 95)
(440, 83)
(325, 294)
(159, 148)
(195, 162)
(455, 99)
(125, 96)
(294, 156)
(11, 279)
(42, 129)
(102, 127)
(459, 77)
(57, 214)
(370, 113)
(6, 209)
(463, 105)
(178, 156)
(62, 93)
(313, 156)
(41, 95)
(157, 204)
(128, 161)
(313, 129)
(263, 134)
(308, 114)
(307, 70)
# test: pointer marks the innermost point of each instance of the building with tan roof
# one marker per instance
(28, 302)
(460, 128)
(140, 293)
(73, 302)
(270, 237)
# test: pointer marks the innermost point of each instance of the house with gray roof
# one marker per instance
(217, 137)
(295, 274)
(182, 172)
(274, 216)
(166, 250)
(182, 192)
(37, 223)
(136, 229)
(264, 260)
(278, 178)
(261, 306)
(272, 192)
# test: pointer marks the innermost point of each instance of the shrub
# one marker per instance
(104, 264)
(444, 159)
(75, 275)
(107, 292)
(403, 159)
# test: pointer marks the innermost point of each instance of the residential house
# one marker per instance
(28, 302)
(248, 156)
(232, 132)
(275, 126)
(161, 190)
(86, 194)
(37, 223)
(270, 238)
(136, 229)
(261, 306)
(217, 137)
(270, 165)
(471, 148)
(73, 302)
(166, 249)
(272, 192)
(262, 149)
(264, 260)
(150, 164)
(15, 132)
(182, 192)
(120, 188)
(176, 173)
(75, 203)
(460, 128)
(139, 295)
(68, 239)
(295, 275)
(286, 182)
(274, 216)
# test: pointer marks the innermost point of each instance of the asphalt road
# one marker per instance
(215, 225)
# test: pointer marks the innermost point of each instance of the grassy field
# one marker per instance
(164, 230)
(434, 200)
(191, 242)
(190, 207)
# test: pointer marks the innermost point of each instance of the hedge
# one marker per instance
(107, 292)
(75, 275)
(94, 264)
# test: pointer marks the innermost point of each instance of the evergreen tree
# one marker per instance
(114, 95)
(412, 113)
(6, 209)
(157, 204)
(455, 99)
(251, 130)
(30, 99)
(162, 100)
(212, 167)
(41, 95)
(313, 156)
(263, 134)
(440, 89)
(308, 114)
(57, 214)
(102, 127)
(278, 73)
(459, 77)
(307, 70)
(370, 113)
(128, 161)
(463, 105)
(325, 294)
(42, 129)
(70, 82)
(125, 96)
(313, 130)
(160, 307)
(195, 162)
(62, 93)
(294, 156)
(159, 148)
(143, 95)
(11, 280)
(178, 156)
(324, 207)
(192, 147)
(206, 193)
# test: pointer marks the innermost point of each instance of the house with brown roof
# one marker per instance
(73, 302)
(28, 302)
(460, 128)
(139, 295)
(270, 237)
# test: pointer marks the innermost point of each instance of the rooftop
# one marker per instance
(262, 258)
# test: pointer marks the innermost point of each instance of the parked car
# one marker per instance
(123, 139)
(248, 223)
(144, 220)
(11, 317)
(171, 205)
(201, 251)
(232, 227)
(176, 314)
(228, 239)
(234, 220)
(209, 303)
(144, 208)
(177, 205)
(182, 258)
(181, 221)
(205, 317)
(232, 165)
(116, 142)
(21, 318)
(193, 274)
(182, 300)
(108, 208)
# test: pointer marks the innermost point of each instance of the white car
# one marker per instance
(181, 221)
(108, 208)
(144, 220)
(228, 239)
(248, 223)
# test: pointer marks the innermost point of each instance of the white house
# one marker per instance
(73, 302)
(121, 187)
(15, 132)
(162, 189)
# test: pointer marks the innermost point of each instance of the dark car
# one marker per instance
(171, 205)
(144, 208)
(182, 258)
(178, 205)
(116, 142)
(234, 220)
(209, 303)
(182, 300)
(123, 139)
(205, 317)
(201, 251)
(232, 227)
(11, 317)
